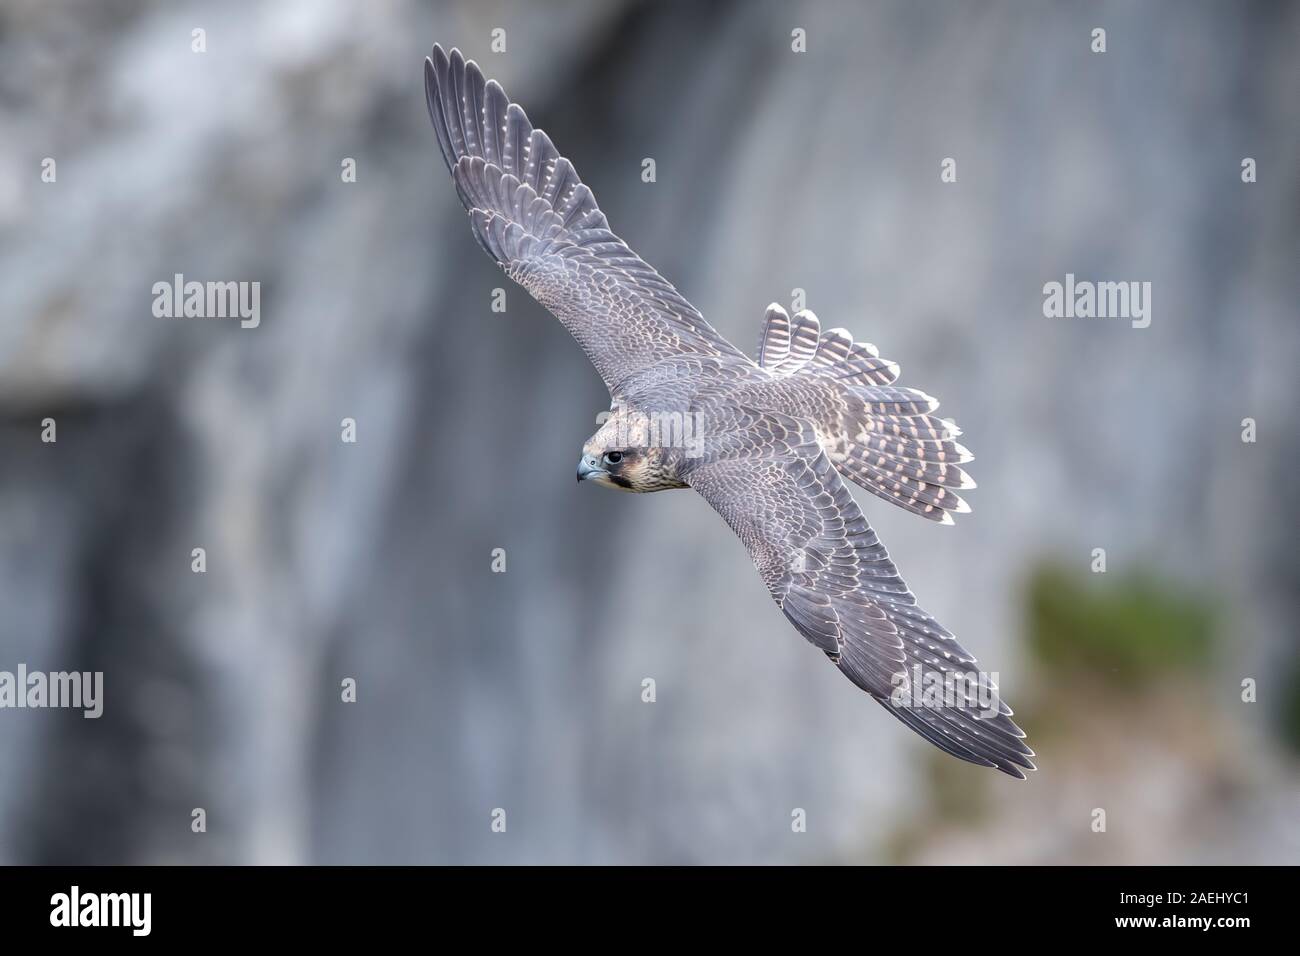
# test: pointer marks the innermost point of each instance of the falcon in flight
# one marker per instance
(767, 443)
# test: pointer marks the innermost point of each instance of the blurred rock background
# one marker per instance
(522, 690)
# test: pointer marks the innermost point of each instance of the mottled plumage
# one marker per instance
(764, 443)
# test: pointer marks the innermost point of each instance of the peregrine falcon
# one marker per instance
(767, 443)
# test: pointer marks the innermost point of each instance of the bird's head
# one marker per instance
(623, 454)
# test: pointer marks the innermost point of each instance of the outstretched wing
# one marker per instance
(826, 569)
(532, 213)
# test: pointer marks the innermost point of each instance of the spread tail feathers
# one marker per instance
(882, 436)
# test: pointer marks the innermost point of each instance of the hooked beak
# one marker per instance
(588, 468)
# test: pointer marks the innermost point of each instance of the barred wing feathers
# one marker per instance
(825, 567)
(532, 213)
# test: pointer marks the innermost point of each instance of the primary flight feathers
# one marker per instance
(778, 434)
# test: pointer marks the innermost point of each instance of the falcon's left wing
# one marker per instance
(769, 478)
(532, 213)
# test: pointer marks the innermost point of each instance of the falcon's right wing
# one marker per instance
(824, 566)
(534, 216)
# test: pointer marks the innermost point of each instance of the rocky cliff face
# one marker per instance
(371, 560)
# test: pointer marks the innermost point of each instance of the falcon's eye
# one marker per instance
(613, 457)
